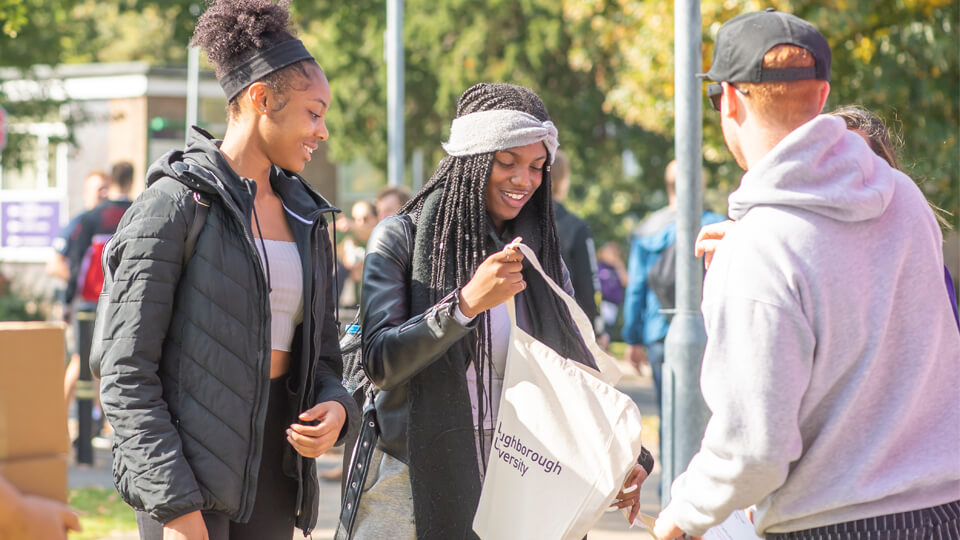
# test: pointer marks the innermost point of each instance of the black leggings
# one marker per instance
(274, 509)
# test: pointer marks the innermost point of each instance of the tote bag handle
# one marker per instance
(608, 370)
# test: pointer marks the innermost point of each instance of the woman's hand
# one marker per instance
(629, 494)
(496, 280)
(709, 238)
(313, 441)
(186, 527)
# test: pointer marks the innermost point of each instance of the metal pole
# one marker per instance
(85, 389)
(193, 88)
(395, 92)
(416, 169)
(685, 412)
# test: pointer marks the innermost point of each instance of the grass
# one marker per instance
(102, 513)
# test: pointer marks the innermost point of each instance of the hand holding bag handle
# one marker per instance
(607, 371)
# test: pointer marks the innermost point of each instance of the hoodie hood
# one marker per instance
(821, 167)
(201, 167)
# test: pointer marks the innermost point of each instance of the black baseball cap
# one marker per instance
(743, 40)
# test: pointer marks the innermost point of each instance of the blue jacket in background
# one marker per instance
(643, 323)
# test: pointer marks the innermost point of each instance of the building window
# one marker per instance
(43, 160)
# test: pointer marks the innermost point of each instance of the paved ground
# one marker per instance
(613, 526)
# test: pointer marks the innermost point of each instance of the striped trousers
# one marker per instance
(934, 523)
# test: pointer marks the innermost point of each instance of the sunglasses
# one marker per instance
(715, 91)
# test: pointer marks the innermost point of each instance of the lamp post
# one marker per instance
(684, 412)
(395, 68)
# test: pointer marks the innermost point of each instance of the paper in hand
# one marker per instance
(642, 520)
(736, 527)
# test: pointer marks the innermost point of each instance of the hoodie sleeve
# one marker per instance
(150, 469)
(756, 368)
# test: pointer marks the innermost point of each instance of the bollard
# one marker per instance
(85, 390)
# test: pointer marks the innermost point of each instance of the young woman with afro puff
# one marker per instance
(221, 369)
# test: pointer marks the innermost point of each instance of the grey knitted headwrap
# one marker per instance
(491, 131)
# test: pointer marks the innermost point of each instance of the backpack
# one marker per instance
(90, 277)
(351, 349)
(662, 278)
(190, 243)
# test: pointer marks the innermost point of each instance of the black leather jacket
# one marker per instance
(395, 346)
(398, 344)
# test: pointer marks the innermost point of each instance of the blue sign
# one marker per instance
(29, 224)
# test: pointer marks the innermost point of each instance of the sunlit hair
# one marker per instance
(875, 132)
(785, 104)
(871, 127)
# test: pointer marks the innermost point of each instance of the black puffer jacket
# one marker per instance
(185, 364)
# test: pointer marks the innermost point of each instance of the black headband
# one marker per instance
(262, 64)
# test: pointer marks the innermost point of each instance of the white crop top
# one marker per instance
(286, 290)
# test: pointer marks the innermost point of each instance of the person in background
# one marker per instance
(91, 233)
(576, 242)
(645, 326)
(831, 362)
(613, 277)
(390, 199)
(94, 192)
(353, 248)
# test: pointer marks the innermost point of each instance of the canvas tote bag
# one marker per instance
(565, 439)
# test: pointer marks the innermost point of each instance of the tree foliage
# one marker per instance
(452, 44)
(898, 59)
(603, 67)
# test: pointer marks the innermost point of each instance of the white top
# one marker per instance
(832, 360)
(286, 293)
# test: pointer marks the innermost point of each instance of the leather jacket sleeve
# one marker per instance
(397, 344)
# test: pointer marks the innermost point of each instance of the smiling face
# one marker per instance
(294, 130)
(516, 175)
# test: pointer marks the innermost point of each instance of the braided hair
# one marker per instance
(233, 31)
(460, 223)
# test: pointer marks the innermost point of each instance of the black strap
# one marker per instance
(357, 472)
(199, 219)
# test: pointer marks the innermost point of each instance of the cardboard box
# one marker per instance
(44, 476)
(34, 443)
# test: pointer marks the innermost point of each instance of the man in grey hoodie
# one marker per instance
(832, 360)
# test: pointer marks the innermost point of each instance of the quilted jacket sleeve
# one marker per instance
(150, 469)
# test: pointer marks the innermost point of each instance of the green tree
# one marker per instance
(899, 59)
(452, 44)
(30, 35)
(49, 32)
